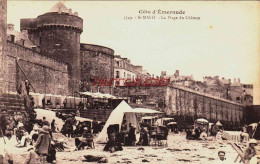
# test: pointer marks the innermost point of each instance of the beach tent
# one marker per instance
(117, 115)
(77, 100)
(50, 98)
(145, 110)
(70, 102)
(36, 98)
(219, 124)
(58, 99)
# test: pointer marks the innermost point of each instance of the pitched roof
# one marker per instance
(19, 36)
(59, 7)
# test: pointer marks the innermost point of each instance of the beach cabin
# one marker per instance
(151, 120)
(202, 123)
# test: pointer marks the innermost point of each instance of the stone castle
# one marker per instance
(49, 54)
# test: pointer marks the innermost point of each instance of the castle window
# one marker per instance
(117, 74)
(117, 63)
(12, 38)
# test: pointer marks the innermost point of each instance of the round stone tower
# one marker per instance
(57, 35)
(59, 38)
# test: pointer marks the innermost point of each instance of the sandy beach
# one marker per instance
(179, 150)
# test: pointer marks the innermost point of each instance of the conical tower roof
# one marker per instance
(59, 7)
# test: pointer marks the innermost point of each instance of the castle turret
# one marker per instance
(57, 34)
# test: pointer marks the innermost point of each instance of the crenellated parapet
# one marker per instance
(50, 21)
(59, 27)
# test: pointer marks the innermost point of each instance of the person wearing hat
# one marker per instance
(112, 145)
(221, 155)
(250, 151)
(95, 125)
(144, 141)
(22, 135)
(32, 157)
(69, 126)
(45, 122)
(43, 143)
(85, 140)
(34, 132)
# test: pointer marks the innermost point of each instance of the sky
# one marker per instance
(223, 42)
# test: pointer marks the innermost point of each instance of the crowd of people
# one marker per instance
(217, 131)
(38, 142)
(42, 147)
(196, 133)
(73, 128)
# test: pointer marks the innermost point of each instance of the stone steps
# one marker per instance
(11, 102)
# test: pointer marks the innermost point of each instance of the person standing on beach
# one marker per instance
(53, 127)
(132, 135)
(43, 143)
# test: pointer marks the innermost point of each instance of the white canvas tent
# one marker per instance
(117, 115)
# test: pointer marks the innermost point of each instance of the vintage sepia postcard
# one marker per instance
(129, 82)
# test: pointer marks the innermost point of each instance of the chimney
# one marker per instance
(75, 14)
(177, 73)
(10, 26)
(12, 38)
(235, 80)
(163, 73)
(70, 12)
(238, 80)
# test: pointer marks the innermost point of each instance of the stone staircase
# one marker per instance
(11, 102)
